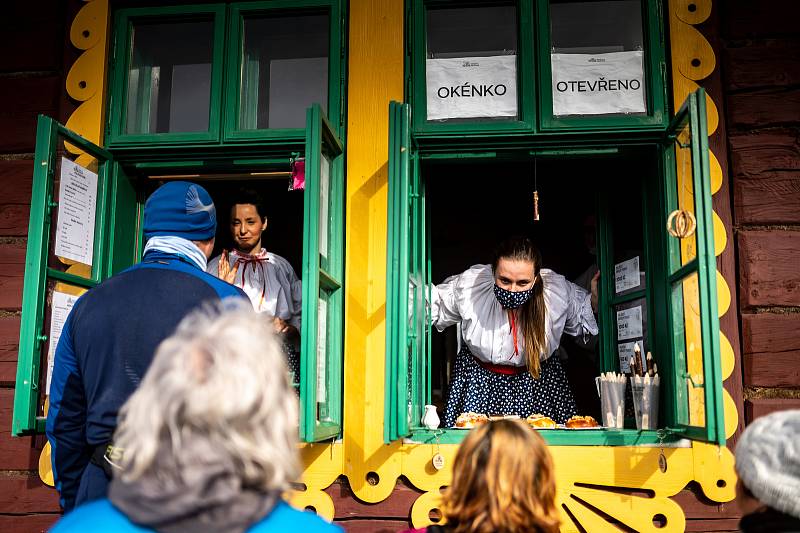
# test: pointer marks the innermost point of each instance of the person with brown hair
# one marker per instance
(512, 314)
(503, 482)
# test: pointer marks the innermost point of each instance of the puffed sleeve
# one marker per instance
(444, 304)
(580, 317)
(296, 295)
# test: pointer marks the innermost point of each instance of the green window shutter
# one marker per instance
(691, 276)
(406, 310)
(47, 276)
(323, 268)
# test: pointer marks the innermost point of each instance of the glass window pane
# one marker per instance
(688, 343)
(683, 220)
(73, 218)
(169, 79)
(631, 320)
(597, 57)
(284, 70)
(324, 207)
(471, 68)
(627, 224)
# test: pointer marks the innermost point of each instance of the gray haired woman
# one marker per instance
(209, 440)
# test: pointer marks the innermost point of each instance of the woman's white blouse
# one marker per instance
(270, 282)
(469, 298)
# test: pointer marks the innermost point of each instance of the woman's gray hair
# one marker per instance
(220, 378)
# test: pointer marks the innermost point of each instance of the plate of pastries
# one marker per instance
(470, 420)
(582, 422)
(539, 421)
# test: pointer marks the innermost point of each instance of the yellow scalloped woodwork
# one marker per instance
(695, 58)
(723, 295)
(715, 171)
(89, 26)
(727, 358)
(730, 414)
(691, 11)
(720, 235)
(86, 122)
(591, 493)
(714, 471)
(317, 500)
(82, 82)
(682, 87)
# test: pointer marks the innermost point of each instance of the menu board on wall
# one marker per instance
(60, 307)
(77, 202)
(472, 87)
(598, 84)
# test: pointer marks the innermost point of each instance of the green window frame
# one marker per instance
(234, 63)
(655, 72)
(416, 73)
(116, 207)
(124, 20)
(534, 77)
(323, 279)
(118, 245)
(408, 323)
(226, 72)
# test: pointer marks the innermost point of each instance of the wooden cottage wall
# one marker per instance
(36, 55)
(761, 76)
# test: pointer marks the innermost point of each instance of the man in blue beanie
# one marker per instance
(113, 330)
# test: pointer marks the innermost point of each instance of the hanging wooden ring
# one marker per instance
(681, 223)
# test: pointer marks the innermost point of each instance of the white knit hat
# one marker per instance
(768, 460)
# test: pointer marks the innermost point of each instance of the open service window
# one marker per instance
(602, 208)
(86, 212)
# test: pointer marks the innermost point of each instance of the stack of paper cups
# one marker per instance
(611, 387)
(645, 401)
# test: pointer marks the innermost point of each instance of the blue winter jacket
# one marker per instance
(106, 346)
(102, 517)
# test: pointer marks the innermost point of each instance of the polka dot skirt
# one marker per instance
(480, 390)
(292, 362)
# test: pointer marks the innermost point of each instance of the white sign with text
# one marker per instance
(60, 307)
(472, 87)
(629, 323)
(598, 84)
(77, 202)
(626, 275)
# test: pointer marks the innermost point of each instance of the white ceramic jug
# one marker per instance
(429, 418)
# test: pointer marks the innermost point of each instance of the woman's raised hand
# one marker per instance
(225, 271)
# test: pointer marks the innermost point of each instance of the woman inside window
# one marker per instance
(512, 315)
(268, 279)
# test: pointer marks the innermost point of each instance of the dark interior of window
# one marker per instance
(284, 233)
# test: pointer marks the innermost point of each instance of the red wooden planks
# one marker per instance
(775, 107)
(762, 63)
(25, 493)
(768, 264)
(757, 407)
(12, 270)
(766, 174)
(29, 523)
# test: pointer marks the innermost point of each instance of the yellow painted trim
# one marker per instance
(375, 77)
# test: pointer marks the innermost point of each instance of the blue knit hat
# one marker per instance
(180, 209)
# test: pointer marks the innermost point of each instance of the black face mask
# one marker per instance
(511, 300)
